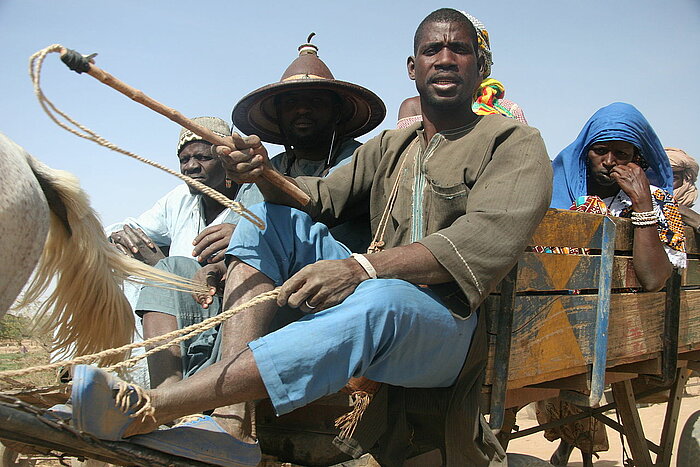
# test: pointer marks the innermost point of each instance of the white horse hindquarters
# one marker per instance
(24, 221)
(79, 274)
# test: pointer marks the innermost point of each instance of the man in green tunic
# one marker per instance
(453, 202)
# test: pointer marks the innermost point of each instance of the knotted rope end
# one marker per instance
(348, 422)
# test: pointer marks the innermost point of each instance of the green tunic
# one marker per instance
(472, 196)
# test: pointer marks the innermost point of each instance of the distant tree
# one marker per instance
(15, 328)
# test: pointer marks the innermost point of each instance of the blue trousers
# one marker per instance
(387, 330)
(199, 351)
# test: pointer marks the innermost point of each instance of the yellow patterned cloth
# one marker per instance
(670, 224)
(484, 44)
(487, 99)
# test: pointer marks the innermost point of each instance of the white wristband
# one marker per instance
(366, 265)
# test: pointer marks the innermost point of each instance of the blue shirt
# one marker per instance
(354, 233)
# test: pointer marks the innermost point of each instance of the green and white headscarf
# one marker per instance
(214, 124)
(482, 36)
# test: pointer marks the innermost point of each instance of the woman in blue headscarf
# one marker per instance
(617, 166)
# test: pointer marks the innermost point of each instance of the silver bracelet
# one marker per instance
(366, 265)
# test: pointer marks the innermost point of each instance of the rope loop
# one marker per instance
(166, 340)
(69, 124)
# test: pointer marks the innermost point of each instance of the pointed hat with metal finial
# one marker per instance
(362, 110)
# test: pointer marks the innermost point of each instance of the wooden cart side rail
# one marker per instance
(27, 428)
(576, 229)
(559, 274)
(552, 335)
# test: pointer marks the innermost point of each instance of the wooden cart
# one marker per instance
(559, 325)
(572, 345)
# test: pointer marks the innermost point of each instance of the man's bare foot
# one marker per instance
(146, 422)
(238, 420)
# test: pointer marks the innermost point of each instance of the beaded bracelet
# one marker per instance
(644, 215)
(643, 219)
(643, 223)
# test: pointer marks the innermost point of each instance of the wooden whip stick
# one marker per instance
(134, 94)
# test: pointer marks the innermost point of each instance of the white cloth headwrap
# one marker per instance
(687, 193)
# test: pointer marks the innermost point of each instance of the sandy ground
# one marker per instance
(652, 422)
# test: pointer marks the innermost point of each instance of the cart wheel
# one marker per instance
(689, 443)
(523, 460)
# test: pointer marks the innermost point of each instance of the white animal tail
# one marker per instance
(86, 311)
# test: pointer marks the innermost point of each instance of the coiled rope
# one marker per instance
(166, 340)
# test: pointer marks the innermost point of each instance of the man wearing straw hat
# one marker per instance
(315, 117)
(453, 201)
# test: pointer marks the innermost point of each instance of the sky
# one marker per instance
(560, 60)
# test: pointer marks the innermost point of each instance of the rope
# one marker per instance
(378, 240)
(36, 62)
(172, 338)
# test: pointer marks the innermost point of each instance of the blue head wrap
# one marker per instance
(617, 121)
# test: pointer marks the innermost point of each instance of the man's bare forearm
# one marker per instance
(413, 263)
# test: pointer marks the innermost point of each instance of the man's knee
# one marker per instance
(386, 298)
(276, 216)
(288, 242)
(156, 323)
(247, 232)
(155, 300)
